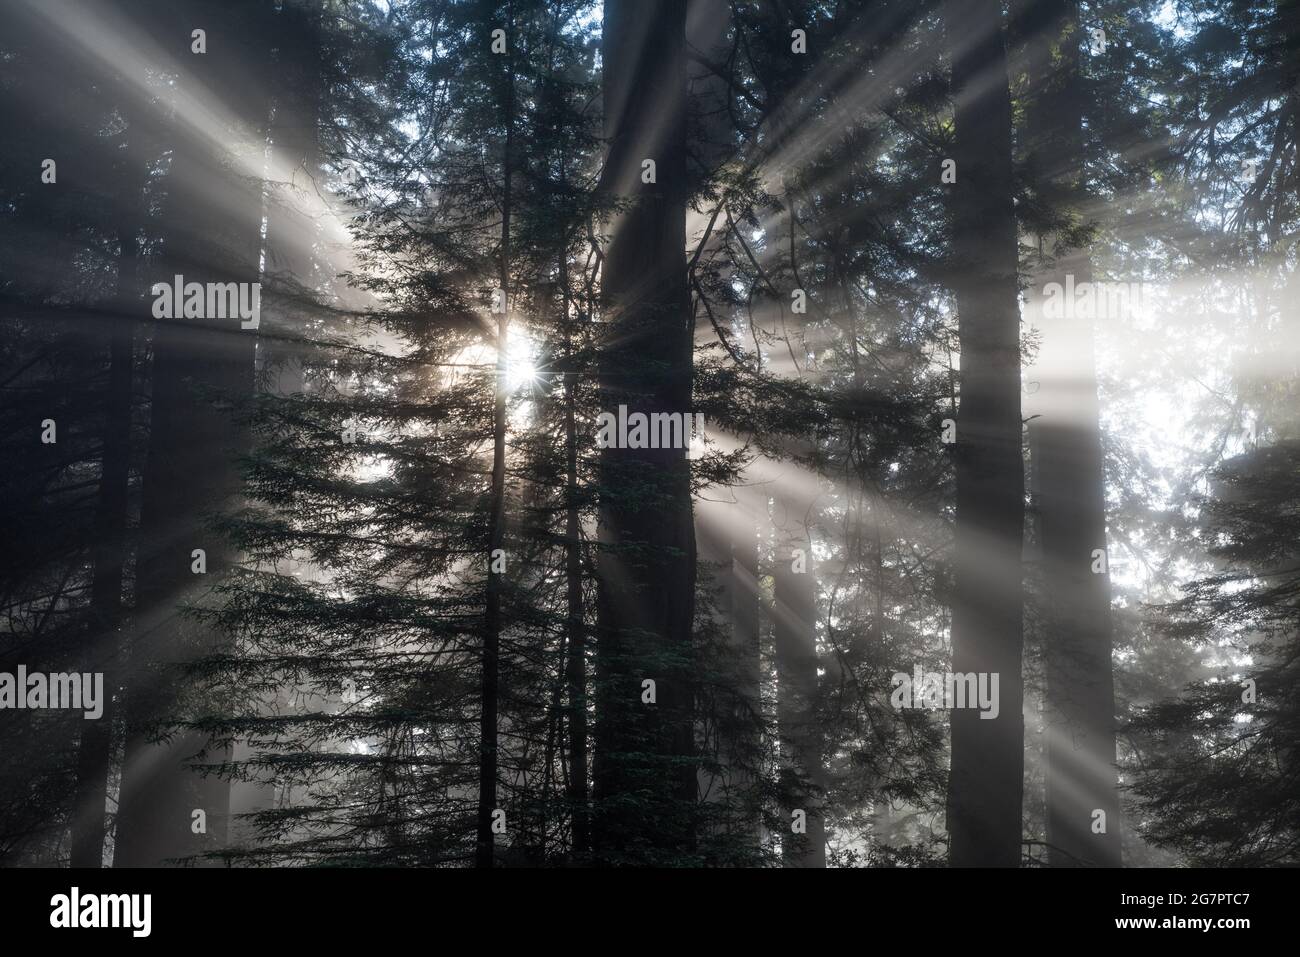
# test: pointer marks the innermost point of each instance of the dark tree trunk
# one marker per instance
(985, 782)
(294, 204)
(490, 677)
(645, 774)
(95, 750)
(576, 650)
(575, 666)
(1069, 484)
(212, 233)
(110, 550)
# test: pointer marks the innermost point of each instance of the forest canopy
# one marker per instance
(671, 433)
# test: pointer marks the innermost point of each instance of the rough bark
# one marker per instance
(645, 775)
(985, 781)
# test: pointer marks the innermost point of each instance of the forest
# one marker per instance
(649, 433)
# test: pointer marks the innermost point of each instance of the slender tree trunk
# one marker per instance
(1069, 482)
(725, 533)
(490, 685)
(794, 641)
(576, 662)
(576, 646)
(95, 750)
(746, 625)
(645, 774)
(985, 781)
(290, 278)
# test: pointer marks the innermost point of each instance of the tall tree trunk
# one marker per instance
(290, 278)
(985, 781)
(645, 775)
(293, 267)
(490, 680)
(95, 749)
(576, 650)
(726, 533)
(746, 623)
(576, 691)
(794, 642)
(94, 752)
(727, 544)
(797, 687)
(212, 234)
(1069, 484)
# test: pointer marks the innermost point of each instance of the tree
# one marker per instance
(379, 477)
(644, 765)
(105, 648)
(984, 789)
(1066, 459)
(67, 359)
(168, 808)
(1218, 762)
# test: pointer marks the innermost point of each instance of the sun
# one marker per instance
(521, 363)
